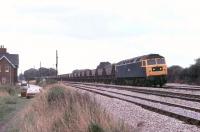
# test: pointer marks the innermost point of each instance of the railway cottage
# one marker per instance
(8, 67)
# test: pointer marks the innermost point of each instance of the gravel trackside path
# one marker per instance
(142, 120)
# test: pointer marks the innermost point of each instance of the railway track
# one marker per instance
(168, 87)
(149, 91)
(187, 114)
(186, 88)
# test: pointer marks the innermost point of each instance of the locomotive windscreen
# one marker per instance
(151, 62)
(160, 61)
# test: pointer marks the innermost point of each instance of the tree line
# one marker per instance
(191, 75)
(32, 73)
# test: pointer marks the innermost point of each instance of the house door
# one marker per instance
(3, 80)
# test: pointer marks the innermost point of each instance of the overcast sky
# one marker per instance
(86, 32)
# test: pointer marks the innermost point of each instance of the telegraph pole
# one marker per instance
(56, 62)
(40, 69)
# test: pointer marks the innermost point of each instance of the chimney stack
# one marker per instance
(2, 49)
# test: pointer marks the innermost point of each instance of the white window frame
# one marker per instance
(7, 68)
(144, 62)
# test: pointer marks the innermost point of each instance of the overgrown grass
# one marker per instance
(61, 109)
(55, 94)
(11, 90)
(9, 102)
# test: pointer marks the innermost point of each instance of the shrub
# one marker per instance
(44, 82)
(93, 127)
(55, 94)
(51, 81)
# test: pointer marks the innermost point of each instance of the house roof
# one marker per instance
(12, 58)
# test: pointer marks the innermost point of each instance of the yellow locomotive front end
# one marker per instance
(156, 67)
(156, 71)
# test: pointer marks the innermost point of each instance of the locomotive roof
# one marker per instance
(136, 59)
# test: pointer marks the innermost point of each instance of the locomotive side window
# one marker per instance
(140, 63)
(160, 61)
(143, 63)
(151, 62)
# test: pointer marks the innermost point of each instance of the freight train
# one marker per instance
(146, 70)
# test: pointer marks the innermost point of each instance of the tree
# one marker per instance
(198, 61)
(174, 73)
(31, 74)
(41, 72)
(185, 75)
(21, 76)
(103, 64)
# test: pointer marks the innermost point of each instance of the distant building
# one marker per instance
(8, 67)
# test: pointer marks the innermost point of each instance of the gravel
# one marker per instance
(157, 98)
(141, 119)
(172, 109)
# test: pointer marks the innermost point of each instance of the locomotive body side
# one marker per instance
(130, 70)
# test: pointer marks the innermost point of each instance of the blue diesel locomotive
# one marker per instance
(146, 70)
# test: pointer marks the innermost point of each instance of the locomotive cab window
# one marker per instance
(151, 62)
(160, 61)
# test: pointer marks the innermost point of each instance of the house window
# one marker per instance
(7, 67)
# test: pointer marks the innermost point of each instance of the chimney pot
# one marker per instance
(3, 50)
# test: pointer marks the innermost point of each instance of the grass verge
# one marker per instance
(10, 103)
(61, 109)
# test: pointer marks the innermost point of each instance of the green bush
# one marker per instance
(51, 81)
(93, 127)
(55, 94)
(44, 82)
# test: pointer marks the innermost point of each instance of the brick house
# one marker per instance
(8, 67)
